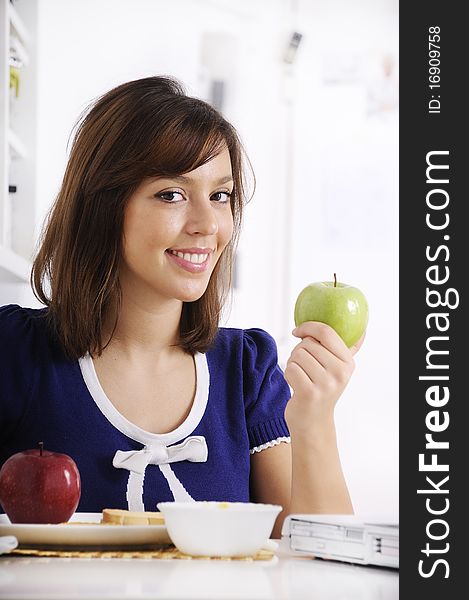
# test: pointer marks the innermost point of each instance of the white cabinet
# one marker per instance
(18, 124)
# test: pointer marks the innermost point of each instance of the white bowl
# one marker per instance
(219, 528)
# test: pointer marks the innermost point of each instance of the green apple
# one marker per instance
(340, 305)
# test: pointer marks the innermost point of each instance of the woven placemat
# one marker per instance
(169, 552)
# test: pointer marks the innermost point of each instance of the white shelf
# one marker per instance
(18, 149)
(13, 268)
(18, 25)
(20, 50)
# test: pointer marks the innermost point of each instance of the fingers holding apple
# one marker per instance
(356, 347)
(318, 370)
(326, 336)
(331, 321)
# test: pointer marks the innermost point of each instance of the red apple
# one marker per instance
(38, 486)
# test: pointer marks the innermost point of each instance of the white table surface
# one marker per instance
(285, 577)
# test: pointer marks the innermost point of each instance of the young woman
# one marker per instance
(126, 368)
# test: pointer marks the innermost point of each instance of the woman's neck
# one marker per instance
(145, 330)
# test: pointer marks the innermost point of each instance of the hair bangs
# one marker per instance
(187, 142)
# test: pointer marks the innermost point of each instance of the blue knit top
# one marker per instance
(238, 409)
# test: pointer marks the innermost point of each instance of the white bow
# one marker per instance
(193, 448)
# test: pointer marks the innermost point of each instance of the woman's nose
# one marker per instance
(202, 219)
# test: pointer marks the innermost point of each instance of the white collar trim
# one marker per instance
(137, 433)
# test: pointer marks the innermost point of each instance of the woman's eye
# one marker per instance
(170, 196)
(221, 196)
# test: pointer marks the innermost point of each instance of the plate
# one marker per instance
(84, 529)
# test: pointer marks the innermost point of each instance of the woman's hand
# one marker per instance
(318, 371)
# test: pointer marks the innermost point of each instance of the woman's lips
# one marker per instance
(191, 260)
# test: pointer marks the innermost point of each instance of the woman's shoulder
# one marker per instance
(230, 335)
(249, 356)
(18, 323)
(253, 343)
(13, 315)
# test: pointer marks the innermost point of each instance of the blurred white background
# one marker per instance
(320, 126)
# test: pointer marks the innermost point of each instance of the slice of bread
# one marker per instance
(117, 516)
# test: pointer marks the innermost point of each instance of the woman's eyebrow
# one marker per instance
(186, 179)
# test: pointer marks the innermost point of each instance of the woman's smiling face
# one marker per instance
(175, 230)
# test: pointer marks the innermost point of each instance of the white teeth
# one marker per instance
(198, 258)
(193, 258)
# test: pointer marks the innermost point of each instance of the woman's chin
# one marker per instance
(192, 295)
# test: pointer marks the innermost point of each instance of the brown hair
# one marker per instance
(144, 128)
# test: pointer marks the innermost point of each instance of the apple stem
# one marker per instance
(41, 448)
(335, 280)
